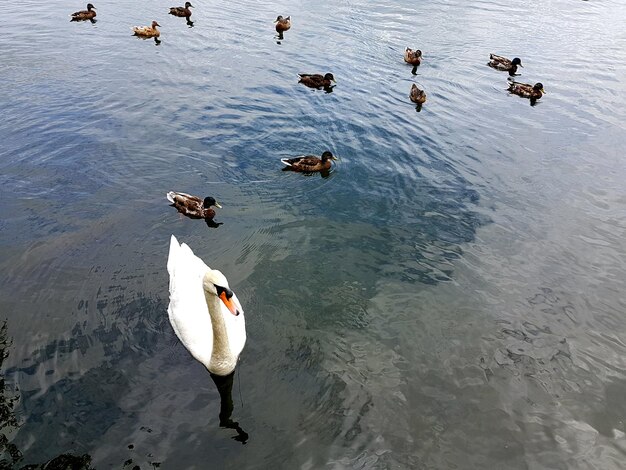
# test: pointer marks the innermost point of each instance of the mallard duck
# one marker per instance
(88, 14)
(413, 57)
(316, 80)
(534, 92)
(417, 96)
(309, 163)
(282, 25)
(502, 63)
(147, 31)
(183, 12)
(193, 206)
(204, 312)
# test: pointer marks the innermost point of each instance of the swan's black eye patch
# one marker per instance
(226, 290)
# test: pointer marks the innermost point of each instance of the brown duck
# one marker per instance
(88, 14)
(193, 206)
(282, 25)
(413, 57)
(309, 163)
(316, 80)
(417, 96)
(183, 12)
(147, 31)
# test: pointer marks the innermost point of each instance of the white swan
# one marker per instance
(205, 314)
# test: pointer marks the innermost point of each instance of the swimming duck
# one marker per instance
(316, 80)
(183, 12)
(193, 206)
(534, 92)
(502, 63)
(147, 31)
(88, 14)
(413, 57)
(309, 163)
(282, 25)
(417, 96)
(204, 312)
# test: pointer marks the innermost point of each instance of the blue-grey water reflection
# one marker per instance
(450, 296)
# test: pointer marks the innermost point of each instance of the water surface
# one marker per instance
(452, 296)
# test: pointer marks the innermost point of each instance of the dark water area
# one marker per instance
(451, 296)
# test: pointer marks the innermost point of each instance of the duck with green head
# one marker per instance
(193, 206)
(317, 80)
(525, 90)
(88, 14)
(309, 163)
(502, 63)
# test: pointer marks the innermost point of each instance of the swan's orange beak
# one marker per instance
(230, 304)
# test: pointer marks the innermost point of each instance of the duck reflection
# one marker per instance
(224, 386)
(212, 223)
(157, 41)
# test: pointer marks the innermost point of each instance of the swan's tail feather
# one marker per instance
(172, 257)
(182, 261)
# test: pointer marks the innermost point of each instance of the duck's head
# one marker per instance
(328, 156)
(90, 7)
(215, 283)
(329, 77)
(278, 19)
(417, 53)
(210, 201)
(517, 61)
(539, 87)
(188, 5)
(155, 24)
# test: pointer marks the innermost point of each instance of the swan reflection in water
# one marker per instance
(224, 386)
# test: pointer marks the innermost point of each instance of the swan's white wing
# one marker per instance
(188, 311)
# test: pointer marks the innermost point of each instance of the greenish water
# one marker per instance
(452, 296)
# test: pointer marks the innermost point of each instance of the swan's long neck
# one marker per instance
(222, 360)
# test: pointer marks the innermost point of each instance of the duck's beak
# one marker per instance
(230, 303)
(218, 205)
(543, 91)
(334, 158)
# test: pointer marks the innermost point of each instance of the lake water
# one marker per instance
(452, 296)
